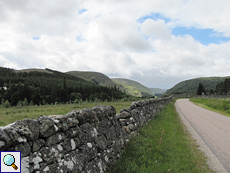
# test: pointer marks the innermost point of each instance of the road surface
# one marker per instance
(211, 131)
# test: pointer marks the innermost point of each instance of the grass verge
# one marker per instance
(162, 146)
(12, 114)
(219, 105)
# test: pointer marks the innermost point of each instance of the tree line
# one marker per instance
(223, 88)
(38, 88)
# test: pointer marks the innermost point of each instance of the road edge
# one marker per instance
(212, 160)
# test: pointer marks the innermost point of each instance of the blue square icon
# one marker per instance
(10, 161)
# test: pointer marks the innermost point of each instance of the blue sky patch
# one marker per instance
(79, 38)
(36, 38)
(82, 11)
(204, 36)
(153, 16)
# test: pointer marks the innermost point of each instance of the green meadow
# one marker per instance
(9, 115)
(219, 105)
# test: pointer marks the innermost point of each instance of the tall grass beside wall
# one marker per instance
(162, 146)
(220, 105)
(12, 114)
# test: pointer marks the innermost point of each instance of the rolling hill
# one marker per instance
(190, 86)
(133, 88)
(129, 86)
(94, 77)
(157, 90)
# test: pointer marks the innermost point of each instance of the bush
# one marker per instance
(31, 103)
(3, 103)
(19, 104)
(25, 102)
(76, 101)
(7, 104)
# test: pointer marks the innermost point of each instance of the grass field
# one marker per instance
(162, 146)
(219, 105)
(9, 115)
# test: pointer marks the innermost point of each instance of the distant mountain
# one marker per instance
(190, 86)
(94, 77)
(132, 87)
(157, 90)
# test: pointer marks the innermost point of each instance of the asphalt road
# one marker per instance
(211, 131)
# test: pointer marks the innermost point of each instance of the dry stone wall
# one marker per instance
(85, 140)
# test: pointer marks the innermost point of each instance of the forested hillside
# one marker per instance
(223, 88)
(190, 86)
(49, 86)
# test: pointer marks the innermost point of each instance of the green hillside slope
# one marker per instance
(132, 87)
(190, 86)
(94, 77)
(157, 90)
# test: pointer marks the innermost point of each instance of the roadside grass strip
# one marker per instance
(219, 105)
(164, 145)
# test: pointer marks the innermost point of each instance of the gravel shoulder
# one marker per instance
(211, 131)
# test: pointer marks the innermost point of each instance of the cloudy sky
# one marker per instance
(155, 42)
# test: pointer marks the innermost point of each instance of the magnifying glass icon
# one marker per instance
(9, 160)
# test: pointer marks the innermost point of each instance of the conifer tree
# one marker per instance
(200, 89)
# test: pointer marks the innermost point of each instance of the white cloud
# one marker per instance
(205, 14)
(116, 33)
(155, 29)
(112, 41)
(9, 64)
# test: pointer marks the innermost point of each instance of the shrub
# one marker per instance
(7, 104)
(3, 103)
(76, 101)
(25, 102)
(19, 104)
(31, 103)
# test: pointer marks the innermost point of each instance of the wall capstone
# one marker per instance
(85, 140)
